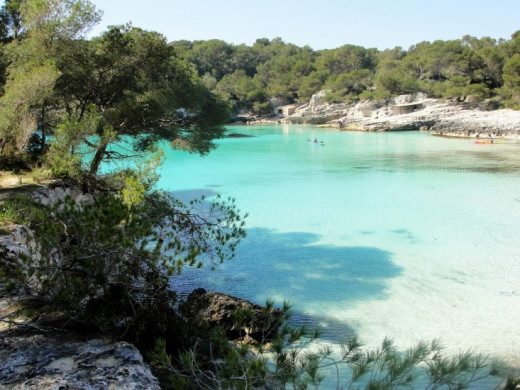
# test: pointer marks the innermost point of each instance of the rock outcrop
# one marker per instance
(19, 242)
(317, 111)
(49, 362)
(51, 196)
(240, 319)
(410, 112)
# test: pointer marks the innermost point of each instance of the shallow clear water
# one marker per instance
(400, 234)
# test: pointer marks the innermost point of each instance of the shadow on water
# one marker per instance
(186, 196)
(331, 329)
(295, 263)
(317, 280)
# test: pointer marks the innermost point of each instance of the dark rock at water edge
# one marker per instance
(221, 310)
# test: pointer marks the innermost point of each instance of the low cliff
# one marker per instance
(409, 112)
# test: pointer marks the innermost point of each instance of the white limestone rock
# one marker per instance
(20, 241)
(48, 362)
(49, 197)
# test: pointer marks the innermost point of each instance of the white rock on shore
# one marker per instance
(441, 117)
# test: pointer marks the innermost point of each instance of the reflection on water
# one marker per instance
(469, 161)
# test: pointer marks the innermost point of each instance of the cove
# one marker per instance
(398, 234)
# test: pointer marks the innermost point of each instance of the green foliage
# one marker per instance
(210, 82)
(478, 92)
(512, 381)
(351, 72)
(132, 81)
(512, 80)
(39, 175)
(40, 27)
(283, 74)
(238, 369)
(107, 260)
(348, 86)
(213, 57)
(27, 85)
(213, 362)
(245, 91)
(312, 84)
(10, 20)
(347, 59)
(290, 361)
(128, 80)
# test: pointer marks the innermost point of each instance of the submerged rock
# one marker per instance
(238, 135)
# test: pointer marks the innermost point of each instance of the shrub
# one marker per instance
(288, 362)
(107, 263)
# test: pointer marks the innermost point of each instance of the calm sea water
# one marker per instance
(399, 234)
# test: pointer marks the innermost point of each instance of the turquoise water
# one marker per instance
(400, 234)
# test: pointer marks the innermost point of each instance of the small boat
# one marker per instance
(488, 143)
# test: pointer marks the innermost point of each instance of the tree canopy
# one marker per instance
(128, 83)
(125, 85)
(249, 76)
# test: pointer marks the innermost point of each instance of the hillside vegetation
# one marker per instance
(250, 76)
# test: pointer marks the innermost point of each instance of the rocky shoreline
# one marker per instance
(38, 350)
(406, 112)
(37, 356)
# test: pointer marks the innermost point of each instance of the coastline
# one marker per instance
(405, 113)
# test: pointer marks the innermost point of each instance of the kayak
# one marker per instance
(488, 143)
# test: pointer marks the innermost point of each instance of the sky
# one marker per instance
(320, 24)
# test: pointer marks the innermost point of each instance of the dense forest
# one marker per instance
(249, 76)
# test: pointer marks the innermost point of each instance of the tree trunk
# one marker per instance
(98, 157)
(44, 132)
